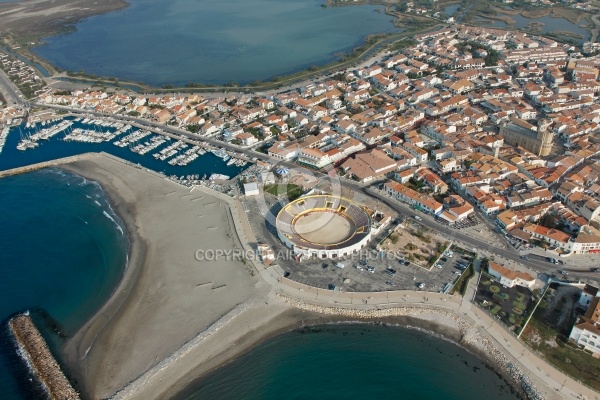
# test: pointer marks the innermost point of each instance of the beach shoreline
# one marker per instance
(137, 303)
(224, 334)
(78, 346)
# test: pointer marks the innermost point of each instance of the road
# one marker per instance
(505, 251)
(12, 94)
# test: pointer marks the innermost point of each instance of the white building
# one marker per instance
(251, 189)
(586, 332)
(509, 277)
(587, 295)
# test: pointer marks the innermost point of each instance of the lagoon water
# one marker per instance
(62, 252)
(180, 41)
(353, 362)
(550, 24)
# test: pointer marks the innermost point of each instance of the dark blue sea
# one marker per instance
(353, 362)
(62, 253)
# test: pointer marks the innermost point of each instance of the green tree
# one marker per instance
(548, 221)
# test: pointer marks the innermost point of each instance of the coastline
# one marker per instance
(36, 19)
(78, 346)
(108, 356)
(226, 339)
(154, 298)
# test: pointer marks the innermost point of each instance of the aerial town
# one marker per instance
(467, 129)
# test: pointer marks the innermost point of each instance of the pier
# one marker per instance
(45, 164)
(34, 349)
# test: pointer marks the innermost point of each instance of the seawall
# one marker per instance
(34, 349)
(51, 163)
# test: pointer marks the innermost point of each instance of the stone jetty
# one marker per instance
(35, 351)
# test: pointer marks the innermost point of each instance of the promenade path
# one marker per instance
(551, 382)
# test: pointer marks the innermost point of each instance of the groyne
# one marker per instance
(44, 366)
(51, 163)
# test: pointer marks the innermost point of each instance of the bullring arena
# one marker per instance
(324, 226)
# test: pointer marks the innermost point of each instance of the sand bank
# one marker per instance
(166, 297)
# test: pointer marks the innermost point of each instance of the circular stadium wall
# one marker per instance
(324, 226)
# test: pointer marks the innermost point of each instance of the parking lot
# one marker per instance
(324, 273)
(471, 221)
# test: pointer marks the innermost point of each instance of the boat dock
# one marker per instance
(34, 349)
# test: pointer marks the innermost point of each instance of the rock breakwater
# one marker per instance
(36, 353)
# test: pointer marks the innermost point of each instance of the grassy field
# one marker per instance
(290, 190)
(563, 355)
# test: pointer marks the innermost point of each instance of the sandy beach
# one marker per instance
(173, 318)
(166, 325)
(166, 296)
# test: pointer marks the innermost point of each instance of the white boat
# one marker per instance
(3, 136)
(219, 177)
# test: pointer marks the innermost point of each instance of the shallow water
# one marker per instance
(211, 41)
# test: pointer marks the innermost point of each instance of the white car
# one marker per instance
(358, 267)
(421, 285)
(439, 265)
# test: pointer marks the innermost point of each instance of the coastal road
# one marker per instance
(501, 250)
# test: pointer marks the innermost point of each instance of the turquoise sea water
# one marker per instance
(353, 362)
(212, 41)
(62, 252)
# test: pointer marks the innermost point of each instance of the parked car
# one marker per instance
(524, 258)
(421, 285)
(371, 269)
(390, 271)
(331, 286)
(563, 272)
(360, 268)
(406, 262)
(594, 269)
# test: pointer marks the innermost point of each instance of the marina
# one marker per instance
(187, 161)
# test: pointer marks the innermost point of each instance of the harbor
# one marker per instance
(186, 161)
